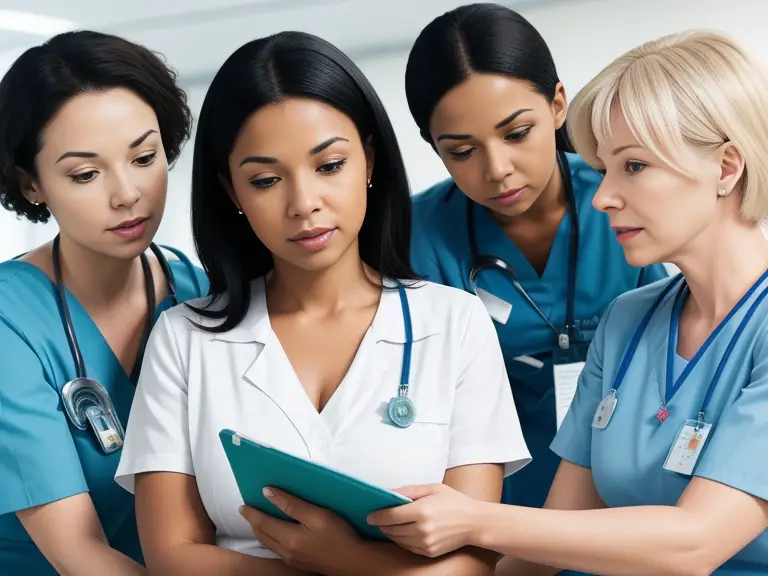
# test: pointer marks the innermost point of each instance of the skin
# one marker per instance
(495, 134)
(127, 178)
(720, 255)
(297, 166)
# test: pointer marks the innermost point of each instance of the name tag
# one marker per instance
(566, 381)
(497, 308)
(688, 447)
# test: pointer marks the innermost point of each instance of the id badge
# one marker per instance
(687, 448)
(605, 411)
(566, 382)
(497, 308)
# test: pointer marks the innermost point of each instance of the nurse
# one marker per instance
(514, 223)
(314, 332)
(88, 126)
(664, 449)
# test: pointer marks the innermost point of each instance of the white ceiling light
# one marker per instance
(37, 24)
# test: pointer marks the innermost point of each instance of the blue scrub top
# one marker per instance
(43, 458)
(627, 457)
(441, 253)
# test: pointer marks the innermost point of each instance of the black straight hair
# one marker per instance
(477, 38)
(46, 77)
(267, 71)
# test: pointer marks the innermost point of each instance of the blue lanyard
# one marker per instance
(405, 372)
(672, 386)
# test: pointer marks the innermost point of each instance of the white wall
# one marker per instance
(584, 36)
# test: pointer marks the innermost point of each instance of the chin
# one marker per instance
(642, 258)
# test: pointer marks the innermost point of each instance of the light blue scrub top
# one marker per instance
(441, 253)
(627, 457)
(43, 458)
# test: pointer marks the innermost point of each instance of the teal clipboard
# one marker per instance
(256, 466)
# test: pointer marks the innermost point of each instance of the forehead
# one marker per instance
(294, 124)
(483, 100)
(98, 121)
(615, 133)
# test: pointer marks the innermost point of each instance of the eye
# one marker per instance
(633, 166)
(519, 134)
(146, 160)
(84, 177)
(264, 182)
(461, 155)
(331, 167)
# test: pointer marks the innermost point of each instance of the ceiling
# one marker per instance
(197, 35)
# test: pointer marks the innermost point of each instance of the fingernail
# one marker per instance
(241, 510)
(267, 493)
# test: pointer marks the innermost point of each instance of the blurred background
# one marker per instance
(196, 36)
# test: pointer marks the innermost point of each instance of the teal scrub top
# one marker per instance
(441, 253)
(43, 458)
(627, 457)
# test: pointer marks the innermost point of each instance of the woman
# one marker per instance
(483, 90)
(301, 216)
(88, 126)
(663, 450)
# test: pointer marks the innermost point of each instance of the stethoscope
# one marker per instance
(487, 262)
(400, 409)
(86, 401)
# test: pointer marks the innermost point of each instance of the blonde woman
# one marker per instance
(664, 467)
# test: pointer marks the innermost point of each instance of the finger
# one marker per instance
(269, 543)
(404, 514)
(292, 506)
(420, 491)
(274, 527)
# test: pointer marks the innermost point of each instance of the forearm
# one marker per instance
(509, 566)
(385, 559)
(94, 557)
(205, 559)
(621, 541)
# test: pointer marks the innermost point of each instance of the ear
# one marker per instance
(369, 156)
(227, 185)
(29, 188)
(559, 105)
(731, 168)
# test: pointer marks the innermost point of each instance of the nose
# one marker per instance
(498, 163)
(607, 197)
(125, 193)
(304, 199)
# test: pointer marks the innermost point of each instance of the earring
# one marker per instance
(722, 192)
(369, 184)
(35, 202)
(240, 212)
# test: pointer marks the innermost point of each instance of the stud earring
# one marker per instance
(240, 212)
(722, 192)
(369, 183)
(35, 202)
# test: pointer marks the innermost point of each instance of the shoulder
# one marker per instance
(628, 308)
(191, 281)
(585, 179)
(436, 201)
(23, 287)
(445, 308)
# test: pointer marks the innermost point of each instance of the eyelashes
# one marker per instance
(326, 168)
(515, 136)
(90, 175)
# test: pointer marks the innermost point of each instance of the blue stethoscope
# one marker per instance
(86, 401)
(400, 409)
(486, 262)
(607, 407)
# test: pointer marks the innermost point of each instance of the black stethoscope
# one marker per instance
(486, 262)
(86, 401)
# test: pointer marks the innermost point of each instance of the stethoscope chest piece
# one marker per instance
(401, 410)
(87, 402)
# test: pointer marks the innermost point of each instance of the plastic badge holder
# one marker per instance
(256, 466)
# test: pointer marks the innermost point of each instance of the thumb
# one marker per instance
(418, 492)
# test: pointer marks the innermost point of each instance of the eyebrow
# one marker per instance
(501, 124)
(270, 160)
(625, 147)
(132, 145)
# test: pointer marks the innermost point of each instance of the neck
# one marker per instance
(96, 279)
(720, 266)
(551, 202)
(347, 283)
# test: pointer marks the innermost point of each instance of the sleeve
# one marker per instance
(736, 452)
(651, 274)
(423, 254)
(573, 441)
(157, 434)
(485, 427)
(39, 463)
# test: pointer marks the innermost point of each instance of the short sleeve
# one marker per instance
(485, 428)
(736, 452)
(39, 463)
(573, 441)
(423, 254)
(651, 274)
(157, 434)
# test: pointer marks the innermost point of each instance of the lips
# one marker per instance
(308, 234)
(508, 193)
(313, 239)
(129, 223)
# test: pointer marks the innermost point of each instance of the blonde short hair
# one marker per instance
(699, 88)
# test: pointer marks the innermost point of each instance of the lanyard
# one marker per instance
(400, 409)
(484, 262)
